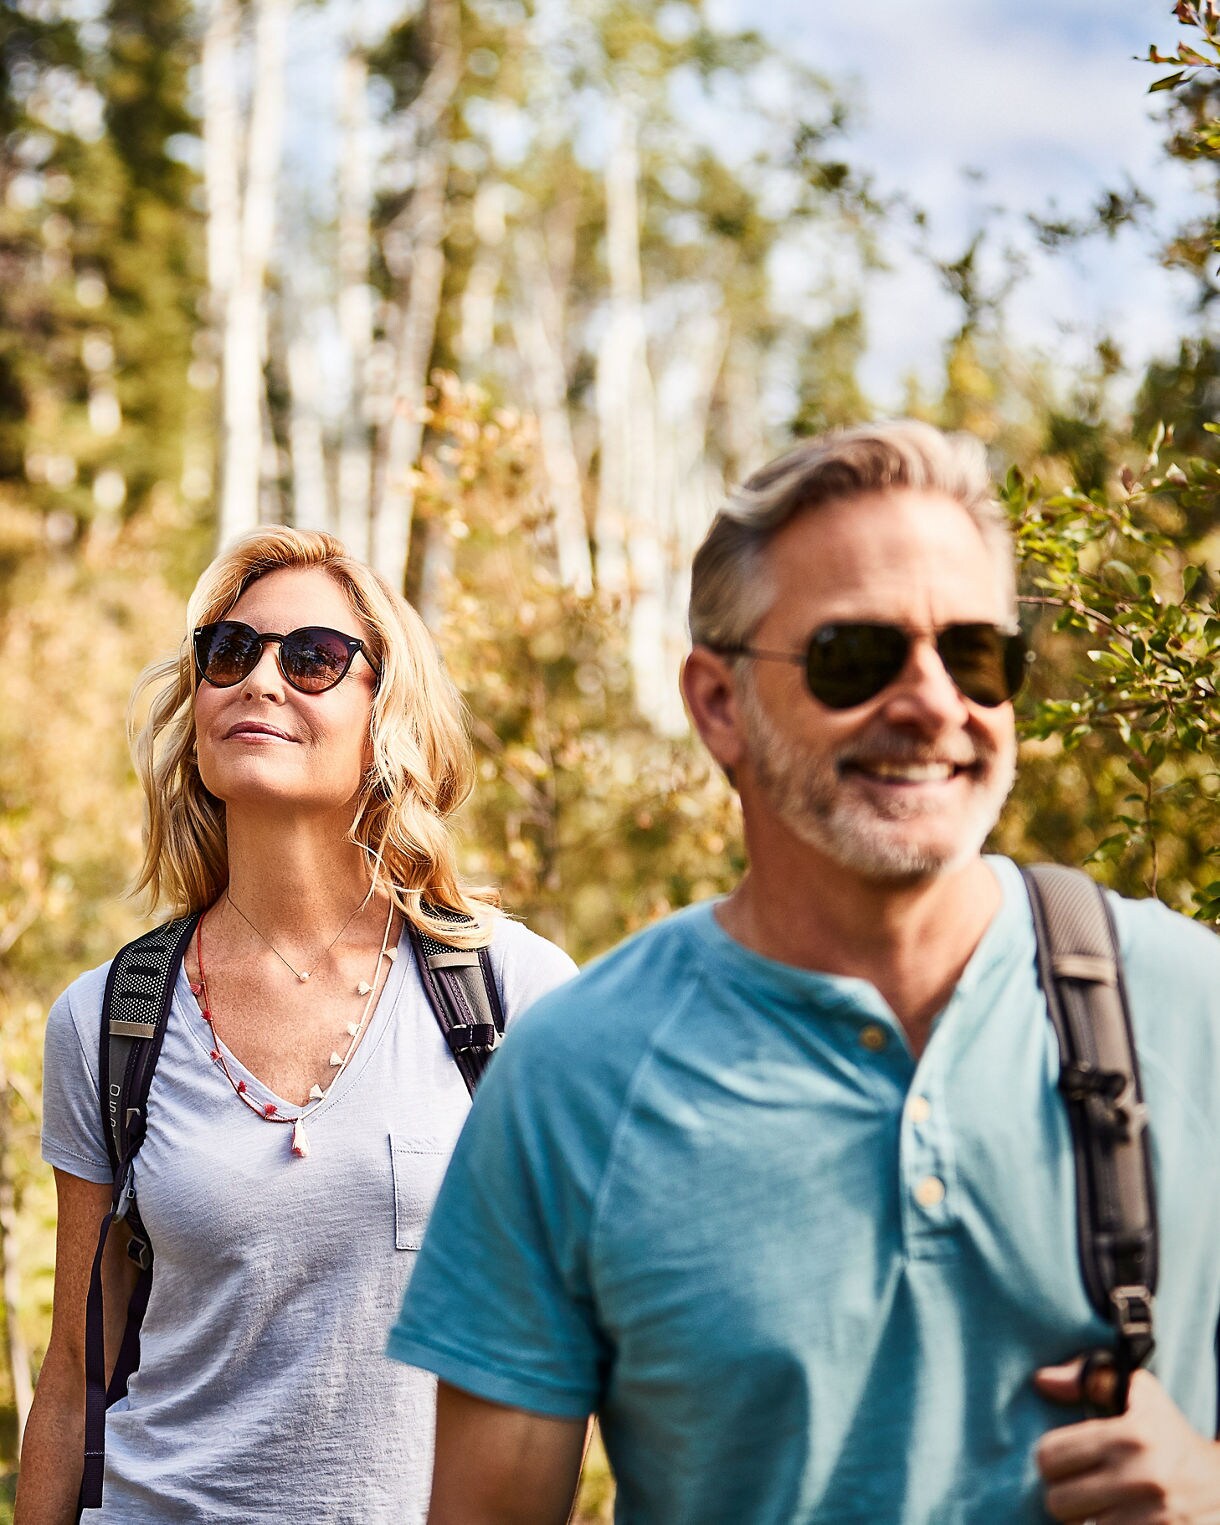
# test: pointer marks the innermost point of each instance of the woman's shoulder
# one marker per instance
(80, 1004)
(526, 965)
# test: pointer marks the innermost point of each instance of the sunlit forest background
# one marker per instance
(512, 357)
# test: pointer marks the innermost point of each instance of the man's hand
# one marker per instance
(1144, 1467)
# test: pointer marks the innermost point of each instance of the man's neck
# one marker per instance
(911, 941)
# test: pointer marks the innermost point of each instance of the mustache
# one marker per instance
(893, 747)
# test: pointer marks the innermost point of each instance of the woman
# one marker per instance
(300, 760)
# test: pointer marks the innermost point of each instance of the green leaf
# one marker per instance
(1168, 82)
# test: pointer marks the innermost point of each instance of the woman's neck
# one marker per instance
(295, 876)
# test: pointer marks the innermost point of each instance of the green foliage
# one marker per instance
(587, 821)
(100, 249)
(1144, 714)
(75, 633)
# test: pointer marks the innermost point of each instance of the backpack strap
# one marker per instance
(462, 993)
(1081, 974)
(135, 1005)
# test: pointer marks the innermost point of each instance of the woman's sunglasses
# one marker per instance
(849, 664)
(311, 659)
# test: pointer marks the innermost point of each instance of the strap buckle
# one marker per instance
(1109, 1098)
(1133, 1315)
(470, 1035)
(140, 1251)
(125, 1195)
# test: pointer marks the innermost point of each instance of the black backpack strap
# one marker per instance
(1081, 974)
(135, 1005)
(462, 993)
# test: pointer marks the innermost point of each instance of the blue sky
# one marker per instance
(1047, 102)
(967, 106)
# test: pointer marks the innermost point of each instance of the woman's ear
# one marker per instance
(709, 688)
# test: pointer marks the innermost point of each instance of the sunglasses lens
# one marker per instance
(987, 664)
(847, 665)
(314, 659)
(227, 652)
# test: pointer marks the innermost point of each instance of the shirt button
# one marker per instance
(919, 1109)
(873, 1037)
(930, 1192)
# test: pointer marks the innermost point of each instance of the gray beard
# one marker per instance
(811, 799)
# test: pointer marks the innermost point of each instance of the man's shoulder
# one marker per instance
(1153, 936)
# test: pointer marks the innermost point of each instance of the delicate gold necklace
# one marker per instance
(268, 1110)
(301, 974)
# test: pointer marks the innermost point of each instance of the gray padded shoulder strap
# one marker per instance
(139, 988)
(462, 993)
(1081, 974)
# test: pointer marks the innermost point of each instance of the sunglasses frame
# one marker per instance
(1011, 638)
(204, 633)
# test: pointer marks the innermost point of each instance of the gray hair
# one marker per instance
(730, 590)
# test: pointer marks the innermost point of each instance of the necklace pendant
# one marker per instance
(300, 1143)
(363, 988)
(336, 1058)
(301, 974)
(315, 1092)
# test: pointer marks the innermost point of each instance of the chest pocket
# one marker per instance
(419, 1168)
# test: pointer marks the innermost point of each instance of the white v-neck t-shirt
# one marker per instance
(263, 1393)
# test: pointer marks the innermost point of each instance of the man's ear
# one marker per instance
(711, 697)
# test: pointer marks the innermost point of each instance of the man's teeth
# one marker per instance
(910, 772)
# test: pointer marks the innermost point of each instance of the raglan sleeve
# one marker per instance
(72, 1129)
(500, 1302)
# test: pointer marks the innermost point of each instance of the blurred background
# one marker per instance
(503, 292)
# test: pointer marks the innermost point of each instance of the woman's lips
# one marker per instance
(255, 730)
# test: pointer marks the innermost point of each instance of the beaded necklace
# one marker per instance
(268, 1110)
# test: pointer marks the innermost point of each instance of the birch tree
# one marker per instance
(414, 255)
(242, 155)
(538, 327)
(355, 304)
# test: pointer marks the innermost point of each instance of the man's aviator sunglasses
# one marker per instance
(849, 664)
(311, 659)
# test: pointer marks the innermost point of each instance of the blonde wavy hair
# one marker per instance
(422, 767)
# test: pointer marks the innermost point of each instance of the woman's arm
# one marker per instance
(52, 1452)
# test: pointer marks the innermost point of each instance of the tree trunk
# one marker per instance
(478, 327)
(538, 324)
(414, 253)
(245, 321)
(630, 558)
(355, 305)
(222, 155)
(689, 490)
(310, 508)
(222, 150)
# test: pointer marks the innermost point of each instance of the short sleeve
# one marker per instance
(499, 1302)
(72, 1136)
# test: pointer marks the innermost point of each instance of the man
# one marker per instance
(783, 1187)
